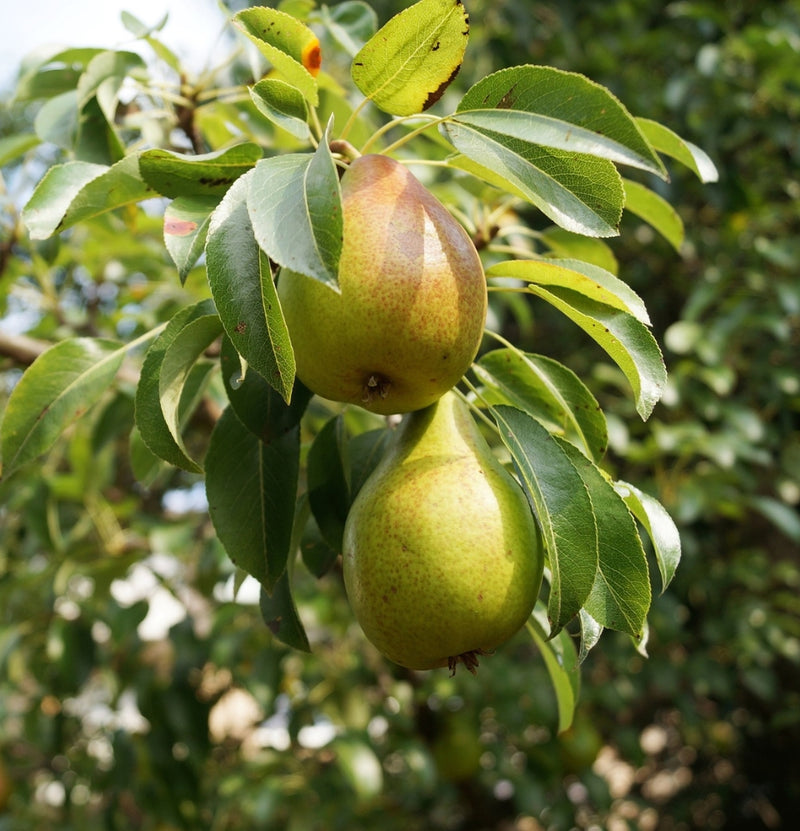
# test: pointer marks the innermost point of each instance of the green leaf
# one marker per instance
(567, 245)
(548, 391)
(626, 340)
(289, 45)
(318, 557)
(96, 138)
(57, 120)
(252, 487)
(295, 206)
(563, 508)
(591, 631)
(280, 614)
(593, 282)
(139, 29)
(56, 390)
(209, 174)
(55, 72)
(150, 419)
(283, 105)
(328, 488)
(260, 407)
(582, 194)
(76, 191)
(666, 141)
(14, 146)
(179, 357)
(186, 222)
(620, 595)
(244, 292)
(557, 109)
(562, 665)
(409, 63)
(103, 78)
(660, 528)
(351, 24)
(655, 210)
(364, 452)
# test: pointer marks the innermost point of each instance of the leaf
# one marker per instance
(318, 557)
(620, 595)
(364, 452)
(328, 488)
(409, 63)
(53, 72)
(209, 174)
(626, 340)
(185, 228)
(591, 631)
(252, 487)
(582, 194)
(666, 141)
(244, 292)
(179, 357)
(76, 191)
(589, 280)
(295, 206)
(561, 663)
(568, 245)
(548, 391)
(655, 210)
(351, 24)
(14, 146)
(283, 105)
(139, 29)
(280, 614)
(660, 528)
(562, 110)
(57, 120)
(288, 44)
(103, 78)
(96, 138)
(259, 406)
(55, 390)
(150, 419)
(562, 506)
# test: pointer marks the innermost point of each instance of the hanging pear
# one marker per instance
(442, 557)
(409, 314)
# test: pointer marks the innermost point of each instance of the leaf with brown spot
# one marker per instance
(409, 63)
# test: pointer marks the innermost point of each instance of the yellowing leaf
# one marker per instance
(289, 45)
(409, 63)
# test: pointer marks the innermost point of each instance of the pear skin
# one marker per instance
(408, 318)
(442, 557)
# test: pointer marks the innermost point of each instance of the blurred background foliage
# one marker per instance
(136, 694)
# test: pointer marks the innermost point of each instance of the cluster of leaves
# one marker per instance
(262, 192)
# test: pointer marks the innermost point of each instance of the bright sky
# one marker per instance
(192, 31)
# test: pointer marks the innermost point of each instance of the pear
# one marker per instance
(442, 557)
(409, 314)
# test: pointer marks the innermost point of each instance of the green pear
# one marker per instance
(408, 316)
(442, 557)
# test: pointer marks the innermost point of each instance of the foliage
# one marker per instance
(94, 544)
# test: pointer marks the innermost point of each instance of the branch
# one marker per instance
(20, 348)
(24, 350)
